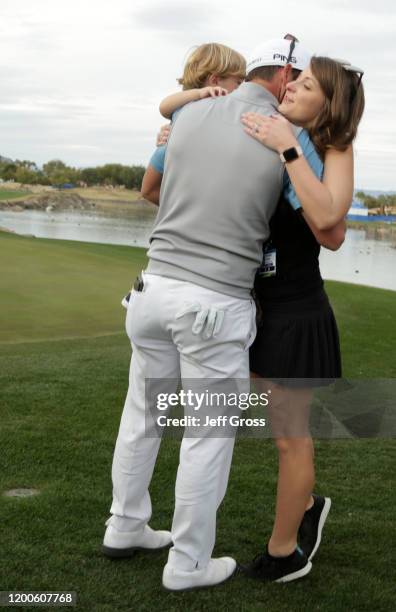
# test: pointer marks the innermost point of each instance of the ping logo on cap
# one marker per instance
(283, 58)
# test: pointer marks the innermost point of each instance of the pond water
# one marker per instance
(367, 257)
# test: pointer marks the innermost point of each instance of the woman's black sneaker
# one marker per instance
(310, 531)
(265, 567)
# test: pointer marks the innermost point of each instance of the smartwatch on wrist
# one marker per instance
(291, 154)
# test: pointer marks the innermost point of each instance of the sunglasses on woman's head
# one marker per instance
(349, 68)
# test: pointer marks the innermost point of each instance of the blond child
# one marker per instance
(211, 70)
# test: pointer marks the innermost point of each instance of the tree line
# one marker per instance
(56, 172)
(382, 201)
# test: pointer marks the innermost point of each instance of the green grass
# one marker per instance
(53, 289)
(371, 224)
(12, 195)
(61, 402)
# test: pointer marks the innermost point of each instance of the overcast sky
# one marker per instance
(81, 80)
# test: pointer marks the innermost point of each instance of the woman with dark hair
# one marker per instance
(297, 345)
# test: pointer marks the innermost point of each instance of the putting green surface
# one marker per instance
(64, 360)
(54, 289)
(12, 194)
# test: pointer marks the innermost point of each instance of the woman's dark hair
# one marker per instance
(337, 123)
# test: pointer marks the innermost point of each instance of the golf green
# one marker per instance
(64, 360)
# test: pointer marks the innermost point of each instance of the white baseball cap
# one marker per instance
(276, 52)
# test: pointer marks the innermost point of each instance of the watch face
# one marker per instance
(290, 154)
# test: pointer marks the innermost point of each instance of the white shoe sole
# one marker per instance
(322, 520)
(119, 553)
(199, 586)
(295, 575)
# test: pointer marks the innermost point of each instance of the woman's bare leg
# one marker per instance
(289, 417)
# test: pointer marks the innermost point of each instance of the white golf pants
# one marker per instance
(164, 347)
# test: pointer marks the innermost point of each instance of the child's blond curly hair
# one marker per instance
(211, 58)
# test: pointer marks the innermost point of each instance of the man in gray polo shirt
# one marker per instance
(192, 315)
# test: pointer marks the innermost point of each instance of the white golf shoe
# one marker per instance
(125, 543)
(216, 572)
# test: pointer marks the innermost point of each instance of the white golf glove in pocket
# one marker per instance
(208, 320)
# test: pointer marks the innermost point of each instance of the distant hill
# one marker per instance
(6, 159)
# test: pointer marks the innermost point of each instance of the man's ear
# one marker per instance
(212, 80)
(287, 73)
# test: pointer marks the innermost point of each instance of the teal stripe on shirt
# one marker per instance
(315, 163)
(157, 161)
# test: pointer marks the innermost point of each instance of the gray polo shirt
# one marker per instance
(219, 189)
